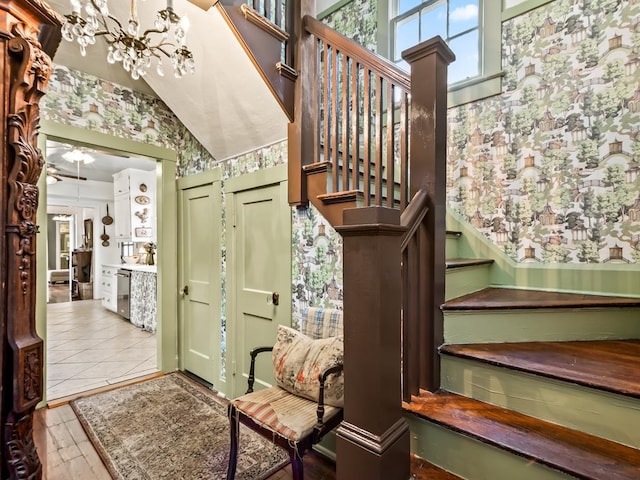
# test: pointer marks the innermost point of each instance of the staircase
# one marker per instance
(498, 383)
(535, 384)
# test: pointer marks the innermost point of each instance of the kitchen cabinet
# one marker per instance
(108, 286)
(135, 205)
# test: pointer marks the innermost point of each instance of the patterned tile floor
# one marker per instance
(90, 347)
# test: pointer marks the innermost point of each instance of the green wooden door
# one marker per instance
(260, 264)
(200, 280)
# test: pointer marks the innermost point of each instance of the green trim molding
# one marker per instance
(614, 279)
(332, 9)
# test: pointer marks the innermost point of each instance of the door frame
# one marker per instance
(262, 178)
(210, 177)
(167, 232)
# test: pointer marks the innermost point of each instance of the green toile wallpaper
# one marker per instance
(548, 170)
(77, 99)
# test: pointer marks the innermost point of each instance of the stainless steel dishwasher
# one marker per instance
(124, 292)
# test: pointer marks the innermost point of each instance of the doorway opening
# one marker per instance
(89, 345)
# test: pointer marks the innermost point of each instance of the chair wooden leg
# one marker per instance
(296, 465)
(233, 450)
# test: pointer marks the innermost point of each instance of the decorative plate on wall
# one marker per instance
(142, 200)
(143, 187)
(142, 232)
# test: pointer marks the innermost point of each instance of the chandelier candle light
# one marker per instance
(128, 46)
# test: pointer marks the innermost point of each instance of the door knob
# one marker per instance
(275, 298)
(185, 290)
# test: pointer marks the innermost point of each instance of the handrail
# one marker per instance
(413, 215)
(364, 56)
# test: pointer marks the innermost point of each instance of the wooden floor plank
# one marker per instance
(576, 453)
(608, 365)
(508, 298)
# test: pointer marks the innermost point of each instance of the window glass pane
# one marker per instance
(407, 34)
(406, 5)
(434, 21)
(463, 15)
(467, 60)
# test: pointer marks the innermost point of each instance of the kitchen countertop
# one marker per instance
(136, 267)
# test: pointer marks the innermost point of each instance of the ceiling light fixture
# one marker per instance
(127, 45)
(78, 156)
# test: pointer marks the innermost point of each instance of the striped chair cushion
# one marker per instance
(281, 412)
(317, 322)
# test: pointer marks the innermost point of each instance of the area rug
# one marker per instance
(171, 428)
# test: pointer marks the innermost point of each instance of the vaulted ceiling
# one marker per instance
(225, 104)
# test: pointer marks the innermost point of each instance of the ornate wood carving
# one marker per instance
(26, 70)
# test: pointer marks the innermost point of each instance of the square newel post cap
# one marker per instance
(433, 45)
(383, 220)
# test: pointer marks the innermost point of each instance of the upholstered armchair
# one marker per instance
(307, 400)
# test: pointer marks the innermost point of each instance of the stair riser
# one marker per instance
(470, 458)
(494, 326)
(451, 246)
(460, 281)
(592, 411)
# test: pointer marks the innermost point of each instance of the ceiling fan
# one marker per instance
(54, 175)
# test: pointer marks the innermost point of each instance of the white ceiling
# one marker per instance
(103, 167)
(225, 104)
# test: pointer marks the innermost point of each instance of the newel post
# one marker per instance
(301, 131)
(373, 439)
(29, 34)
(428, 160)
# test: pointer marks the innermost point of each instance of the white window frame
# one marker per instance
(489, 80)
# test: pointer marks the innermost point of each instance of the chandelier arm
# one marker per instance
(153, 30)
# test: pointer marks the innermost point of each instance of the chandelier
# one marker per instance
(133, 49)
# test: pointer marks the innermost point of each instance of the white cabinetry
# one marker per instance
(135, 205)
(109, 288)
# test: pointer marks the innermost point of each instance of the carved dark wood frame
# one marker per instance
(25, 27)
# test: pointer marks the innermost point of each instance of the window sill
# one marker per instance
(475, 89)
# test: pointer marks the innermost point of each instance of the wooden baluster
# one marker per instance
(345, 122)
(390, 144)
(277, 18)
(378, 136)
(325, 97)
(334, 119)
(366, 151)
(316, 66)
(267, 9)
(404, 151)
(355, 127)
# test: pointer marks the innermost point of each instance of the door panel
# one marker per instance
(261, 250)
(200, 249)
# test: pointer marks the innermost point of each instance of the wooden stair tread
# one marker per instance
(421, 469)
(509, 298)
(576, 453)
(466, 262)
(609, 365)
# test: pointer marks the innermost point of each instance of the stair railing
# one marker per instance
(354, 114)
(281, 14)
(417, 334)
(359, 116)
